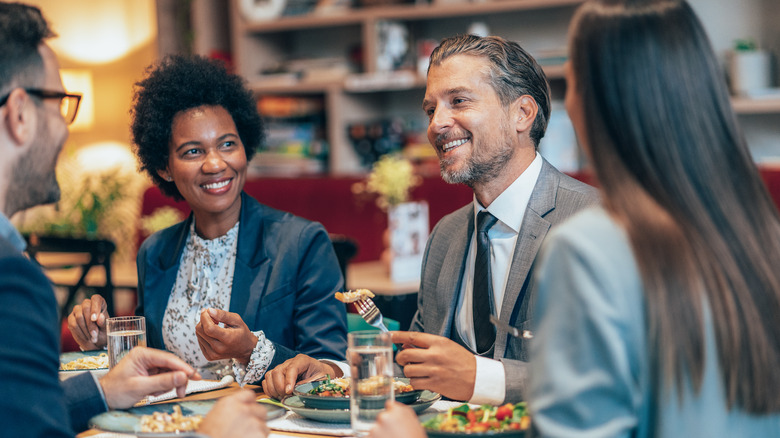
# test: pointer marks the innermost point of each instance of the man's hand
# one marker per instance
(281, 380)
(145, 371)
(87, 323)
(237, 415)
(397, 420)
(437, 364)
(233, 341)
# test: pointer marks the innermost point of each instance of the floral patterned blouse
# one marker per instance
(205, 280)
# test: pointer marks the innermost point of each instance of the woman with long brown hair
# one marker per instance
(659, 314)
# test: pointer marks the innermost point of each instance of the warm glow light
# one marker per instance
(99, 31)
(101, 157)
(80, 81)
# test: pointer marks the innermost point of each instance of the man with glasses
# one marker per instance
(34, 113)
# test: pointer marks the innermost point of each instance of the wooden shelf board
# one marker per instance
(356, 17)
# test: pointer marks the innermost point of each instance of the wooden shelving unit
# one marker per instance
(258, 46)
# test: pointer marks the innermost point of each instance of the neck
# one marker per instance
(210, 226)
(487, 191)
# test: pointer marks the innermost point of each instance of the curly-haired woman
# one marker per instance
(237, 283)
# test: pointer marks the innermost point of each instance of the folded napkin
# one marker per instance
(192, 387)
(292, 422)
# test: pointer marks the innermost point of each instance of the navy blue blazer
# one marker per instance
(283, 283)
(33, 402)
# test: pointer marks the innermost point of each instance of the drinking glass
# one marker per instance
(370, 355)
(124, 333)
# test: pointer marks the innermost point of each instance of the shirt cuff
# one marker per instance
(490, 383)
(259, 361)
(100, 388)
(343, 366)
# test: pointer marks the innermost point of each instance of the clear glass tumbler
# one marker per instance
(370, 355)
(124, 334)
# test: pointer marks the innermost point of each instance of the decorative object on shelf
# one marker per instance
(261, 10)
(749, 68)
(372, 140)
(391, 181)
(392, 45)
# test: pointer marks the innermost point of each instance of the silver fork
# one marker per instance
(370, 313)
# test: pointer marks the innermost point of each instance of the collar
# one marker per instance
(505, 206)
(11, 234)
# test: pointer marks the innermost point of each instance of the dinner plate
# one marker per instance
(490, 433)
(295, 404)
(328, 402)
(129, 420)
(74, 355)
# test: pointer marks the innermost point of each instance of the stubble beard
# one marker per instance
(34, 177)
(478, 168)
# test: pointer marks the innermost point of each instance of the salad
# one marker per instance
(339, 387)
(481, 419)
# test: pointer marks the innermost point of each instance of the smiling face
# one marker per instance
(473, 134)
(208, 164)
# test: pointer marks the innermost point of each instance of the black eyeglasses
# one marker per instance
(69, 103)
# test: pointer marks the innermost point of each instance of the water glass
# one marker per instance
(124, 333)
(370, 355)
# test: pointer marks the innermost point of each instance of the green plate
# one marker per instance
(295, 404)
(129, 420)
(328, 402)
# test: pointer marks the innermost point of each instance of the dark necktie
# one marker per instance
(483, 285)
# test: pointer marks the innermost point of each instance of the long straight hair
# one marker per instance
(677, 174)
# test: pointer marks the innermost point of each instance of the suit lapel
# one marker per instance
(163, 271)
(451, 275)
(252, 264)
(532, 234)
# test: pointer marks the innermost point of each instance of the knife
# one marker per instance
(514, 331)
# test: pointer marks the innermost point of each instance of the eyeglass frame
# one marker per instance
(48, 94)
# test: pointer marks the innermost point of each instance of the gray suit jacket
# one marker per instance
(555, 197)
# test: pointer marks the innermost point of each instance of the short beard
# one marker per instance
(33, 184)
(478, 169)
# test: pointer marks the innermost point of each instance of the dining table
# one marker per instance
(288, 424)
(216, 394)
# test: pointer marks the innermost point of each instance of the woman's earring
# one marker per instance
(169, 179)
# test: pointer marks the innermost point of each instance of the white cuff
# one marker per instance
(259, 361)
(100, 388)
(490, 383)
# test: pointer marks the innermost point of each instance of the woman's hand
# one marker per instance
(397, 420)
(232, 341)
(87, 323)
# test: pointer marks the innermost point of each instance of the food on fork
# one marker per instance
(86, 363)
(174, 422)
(352, 296)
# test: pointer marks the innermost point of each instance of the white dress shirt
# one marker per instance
(509, 208)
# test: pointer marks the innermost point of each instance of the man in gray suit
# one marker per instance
(488, 104)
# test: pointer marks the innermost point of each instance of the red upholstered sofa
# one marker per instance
(330, 201)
